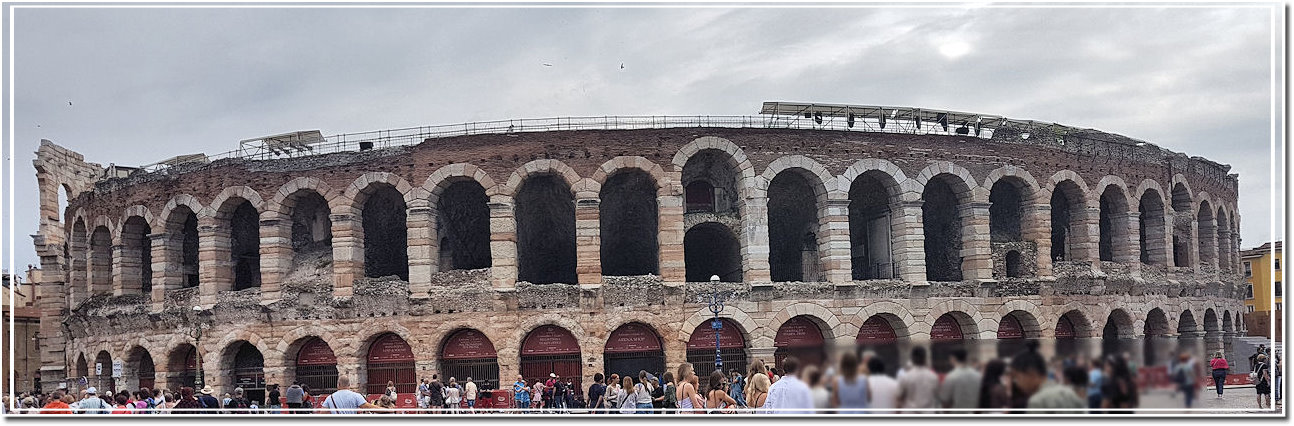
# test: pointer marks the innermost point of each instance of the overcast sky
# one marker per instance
(148, 84)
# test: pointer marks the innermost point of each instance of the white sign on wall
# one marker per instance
(117, 366)
(98, 368)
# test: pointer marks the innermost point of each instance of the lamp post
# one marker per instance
(716, 306)
(195, 332)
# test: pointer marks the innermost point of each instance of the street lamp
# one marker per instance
(196, 333)
(716, 306)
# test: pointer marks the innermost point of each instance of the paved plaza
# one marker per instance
(1232, 398)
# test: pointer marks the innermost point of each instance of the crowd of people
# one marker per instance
(853, 384)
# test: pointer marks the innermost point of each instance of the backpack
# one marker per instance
(238, 406)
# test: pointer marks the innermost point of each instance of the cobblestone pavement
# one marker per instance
(1232, 398)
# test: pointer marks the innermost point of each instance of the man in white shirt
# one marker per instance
(882, 389)
(344, 400)
(469, 393)
(789, 395)
(917, 387)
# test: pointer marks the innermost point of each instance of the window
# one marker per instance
(1249, 309)
(1249, 291)
(1249, 270)
(1278, 264)
(1277, 288)
(1278, 306)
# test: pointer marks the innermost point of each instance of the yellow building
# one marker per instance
(1265, 291)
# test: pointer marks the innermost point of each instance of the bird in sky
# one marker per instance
(548, 64)
(622, 65)
(69, 103)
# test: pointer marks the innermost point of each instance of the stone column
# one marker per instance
(276, 257)
(1087, 237)
(166, 271)
(503, 243)
(214, 263)
(1224, 250)
(347, 253)
(1194, 247)
(126, 269)
(754, 240)
(588, 241)
(834, 245)
(908, 239)
(673, 269)
(977, 253)
(1038, 229)
(424, 250)
(762, 353)
(1127, 250)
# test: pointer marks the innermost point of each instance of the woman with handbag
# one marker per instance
(1262, 382)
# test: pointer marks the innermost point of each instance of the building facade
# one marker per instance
(25, 362)
(1262, 269)
(494, 254)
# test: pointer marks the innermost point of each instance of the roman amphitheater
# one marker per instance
(588, 245)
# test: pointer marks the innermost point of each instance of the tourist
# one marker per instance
(918, 385)
(789, 395)
(520, 394)
(390, 390)
(537, 395)
(882, 389)
(453, 395)
(995, 389)
(657, 394)
(611, 394)
(642, 393)
(469, 394)
(169, 402)
(688, 399)
(121, 404)
(851, 387)
(1095, 382)
(1262, 382)
(737, 387)
(717, 398)
(1076, 379)
(1184, 374)
(294, 397)
(757, 385)
(1278, 378)
(308, 400)
(597, 393)
(58, 404)
(1029, 376)
(670, 401)
(238, 404)
(625, 398)
(550, 388)
(385, 405)
(436, 398)
(344, 400)
(92, 404)
(421, 393)
(187, 403)
(209, 402)
(960, 389)
(1120, 388)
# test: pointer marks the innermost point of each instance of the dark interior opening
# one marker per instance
(943, 231)
(1004, 212)
(711, 249)
(629, 222)
(792, 228)
(386, 234)
(869, 229)
(545, 231)
(245, 246)
(463, 216)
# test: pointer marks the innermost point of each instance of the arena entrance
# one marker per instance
(249, 371)
(183, 366)
(731, 344)
(551, 349)
(103, 373)
(633, 347)
(800, 337)
(390, 359)
(317, 366)
(469, 353)
(878, 335)
(946, 336)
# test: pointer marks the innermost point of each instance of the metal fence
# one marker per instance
(415, 135)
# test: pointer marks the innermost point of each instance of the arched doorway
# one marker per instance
(183, 366)
(144, 370)
(878, 335)
(1071, 330)
(1011, 339)
(551, 349)
(390, 359)
(1156, 344)
(633, 347)
(103, 372)
(731, 343)
(249, 371)
(1117, 336)
(82, 367)
(947, 335)
(317, 366)
(800, 337)
(469, 353)
(545, 215)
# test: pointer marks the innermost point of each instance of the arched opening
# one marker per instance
(1113, 223)
(871, 254)
(942, 222)
(63, 195)
(711, 248)
(634, 347)
(793, 228)
(103, 372)
(311, 229)
(718, 173)
(182, 245)
(386, 233)
(100, 260)
(1013, 265)
(700, 197)
(244, 227)
(316, 366)
(628, 220)
(182, 367)
(1014, 331)
(550, 349)
(948, 334)
(1223, 239)
(546, 231)
(463, 224)
(1066, 202)
(1211, 321)
(469, 353)
(879, 335)
(800, 337)
(137, 256)
(1005, 212)
(248, 370)
(1152, 226)
(390, 359)
(1226, 322)
(82, 367)
(1068, 335)
(1205, 230)
(729, 345)
(1117, 337)
(141, 362)
(79, 274)
(1182, 218)
(1156, 342)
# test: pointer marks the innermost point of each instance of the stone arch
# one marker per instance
(134, 210)
(176, 201)
(282, 203)
(1107, 181)
(899, 318)
(890, 175)
(536, 167)
(740, 162)
(621, 163)
(1154, 246)
(750, 328)
(528, 325)
(1156, 323)
(361, 349)
(134, 267)
(832, 328)
(964, 184)
(221, 206)
(353, 197)
(291, 342)
(545, 193)
(1024, 179)
(1123, 321)
(1227, 325)
(973, 325)
(235, 214)
(875, 189)
(630, 191)
(447, 175)
(1222, 238)
(825, 182)
(1206, 230)
(1028, 313)
(141, 373)
(1114, 207)
(797, 222)
(222, 352)
(949, 196)
(1186, 323)
(1012, 216)
(99, 242)
(1071, 176)
(1082, 322)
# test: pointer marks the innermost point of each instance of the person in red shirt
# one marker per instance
(1220, 367)
(123, 404)
(58, 404)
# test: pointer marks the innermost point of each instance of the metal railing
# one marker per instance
(379, 139)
